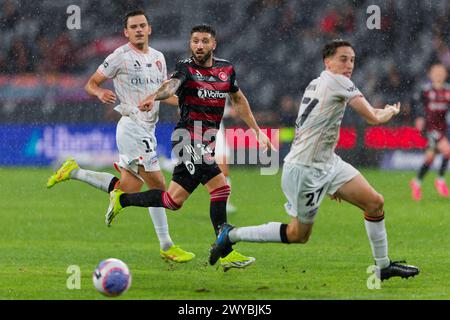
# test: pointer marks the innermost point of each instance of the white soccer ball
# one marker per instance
(112, 277)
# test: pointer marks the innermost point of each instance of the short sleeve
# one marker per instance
(180, 72)
(342, 87)
(164, 67)
(110, 67)
(234, 87)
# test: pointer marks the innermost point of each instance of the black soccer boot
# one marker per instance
(396, 269)
(222, 243)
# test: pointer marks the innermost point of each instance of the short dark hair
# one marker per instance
(204, 28)
(331, 47)
(137, 12)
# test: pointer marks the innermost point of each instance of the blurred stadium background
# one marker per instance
(45, 114)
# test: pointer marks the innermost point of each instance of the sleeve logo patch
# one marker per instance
(351, 89)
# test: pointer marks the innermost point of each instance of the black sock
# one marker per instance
(423, 171)
(218, 215)
(283, 234)
(150, 198)
(443, 167)
(112, 184)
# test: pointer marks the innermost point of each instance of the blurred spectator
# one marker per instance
(43, 63)
(394, 87)
(9, 15)
(19, 59)
(347, 21)
(442, 52)
(62, 53)
(330, 23)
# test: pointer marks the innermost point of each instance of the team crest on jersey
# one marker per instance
(159, 65)
(223, 76)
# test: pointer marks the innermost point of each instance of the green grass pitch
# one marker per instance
(43, 232)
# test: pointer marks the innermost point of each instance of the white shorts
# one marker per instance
(137, 146)
(305, 187)
(221, 150)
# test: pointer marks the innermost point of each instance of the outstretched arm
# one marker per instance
(167, 90)
(372, 115)
(240, 103)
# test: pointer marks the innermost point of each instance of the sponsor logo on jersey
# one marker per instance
(223, 76)
(203, 78)
(211, 94)
(137, 66)
(136, 81)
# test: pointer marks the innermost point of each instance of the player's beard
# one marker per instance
(205, 58)
(140, 46)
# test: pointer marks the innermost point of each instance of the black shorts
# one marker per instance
(198, 166)
(201, 173)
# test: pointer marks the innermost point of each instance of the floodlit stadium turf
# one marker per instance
(43, 232)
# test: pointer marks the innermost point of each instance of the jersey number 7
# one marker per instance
(306, 113)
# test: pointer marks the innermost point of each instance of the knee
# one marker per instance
(375, 206)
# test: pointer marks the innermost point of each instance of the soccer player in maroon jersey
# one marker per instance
(432, 107)
(202, 83)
